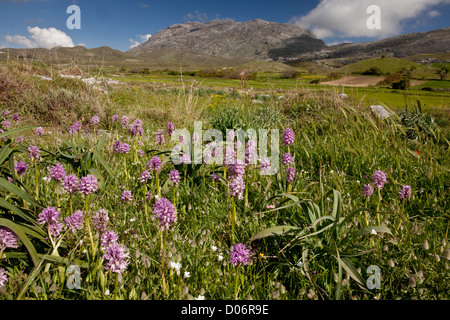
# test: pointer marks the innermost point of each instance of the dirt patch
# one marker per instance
(355, 81)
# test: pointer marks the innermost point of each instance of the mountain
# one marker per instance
(252, 40)
(432, 42)
(225, 43)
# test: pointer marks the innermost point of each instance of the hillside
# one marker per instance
(256, 39)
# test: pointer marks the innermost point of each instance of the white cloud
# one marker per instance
(42, 38)
(347, 18)
(142, 39)
(196, 16)
(434, 13)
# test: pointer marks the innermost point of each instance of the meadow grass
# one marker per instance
(312, 238)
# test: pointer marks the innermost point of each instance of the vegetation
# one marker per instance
(352, 191)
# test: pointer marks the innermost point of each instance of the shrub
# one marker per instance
(373, 71)
(289, 74)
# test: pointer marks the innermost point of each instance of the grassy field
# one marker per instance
(351, 190)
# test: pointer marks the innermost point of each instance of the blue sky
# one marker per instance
(120, 24)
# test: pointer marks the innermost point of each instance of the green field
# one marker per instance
(351, 191)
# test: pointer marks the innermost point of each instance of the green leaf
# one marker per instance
(23, 237)
(9, 206)
(4, 153)
(7, 133)
(351, 270)
(19, 192)
(104, 164)
(368, 230)
(278, 230)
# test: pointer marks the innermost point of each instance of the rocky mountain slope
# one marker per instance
(256, 39)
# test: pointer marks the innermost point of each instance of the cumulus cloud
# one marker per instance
(142, 39)
(347, 18)
(42, 38)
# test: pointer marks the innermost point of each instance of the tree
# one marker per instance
(442, 72)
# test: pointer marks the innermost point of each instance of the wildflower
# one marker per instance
(15, 117)
(214, 248)
(141, 152)
(237, 187)
(21, 168)
(50, 216)
(71, 183)
(230, 155)
(367, 190)
(3, 277)
(251, 155)
(200, 297)
(145, 175)
(136, 128)
(39, 131)
(195, 137)
(265, 166)
(220, 257)
(19, 139)
(8, 239)
(159, 137)
(379, 179)
(116, 256)
(95, 120)
(185, 158)
(116, 146)
(155, 164)
(165, 212)
(100, 220)
(126, 196)
(287, 159)
(4, 113)
(124, 148)
(108, 238)
(174, 176)
(405, 193)
(170, 128)
(115, 118)
(374, 232)
(290, 174)
(175, 265)
(187, 274)
(3, 138)
(57, 172)
(288, 137)
(88, 184)
(6, 124)
(237, 169)
(215, 177)
(73, 130)
(182, 139)
(75, 221)
(124, 122)
(239, 254)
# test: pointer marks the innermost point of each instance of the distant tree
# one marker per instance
(372, 71)
(442, 72)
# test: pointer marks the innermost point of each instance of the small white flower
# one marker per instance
(107, 292)
(46, 179)
(214, 248)
(132, 219)
(175, 265)
(331, 171)
(156, 197)
(220, 257)
(187, 274)
(200, 297)
(373, 231)
(300, 264)
(357, 181)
